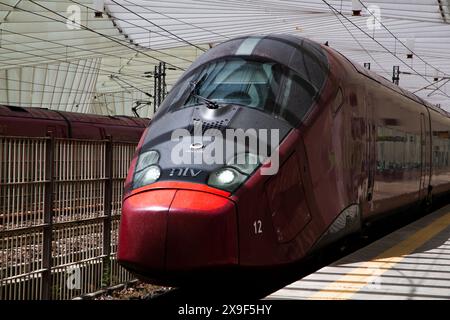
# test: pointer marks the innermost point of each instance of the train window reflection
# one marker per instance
(240, 82)
(398, 150)
(264, 85)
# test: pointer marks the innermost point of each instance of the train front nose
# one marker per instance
(169, 231)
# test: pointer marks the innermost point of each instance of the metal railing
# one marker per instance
(60, 206)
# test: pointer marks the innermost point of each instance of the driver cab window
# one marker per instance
(264, 85)
(248, 83)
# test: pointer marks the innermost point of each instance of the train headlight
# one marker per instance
(147, 171)
(238, 169)
(226, 179)
(226, 176)
(147, 176)
(147, 159)
(152, 174)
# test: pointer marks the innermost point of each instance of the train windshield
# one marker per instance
(264, 85)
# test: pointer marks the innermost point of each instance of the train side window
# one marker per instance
(296, 98)
(397, 150)
(338, 101)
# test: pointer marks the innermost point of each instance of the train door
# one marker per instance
(370, 147)
(425, 165)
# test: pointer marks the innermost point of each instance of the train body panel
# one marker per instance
(352, 147)
(440, 153)
(399, 139)
(31, 122)
(36, 122)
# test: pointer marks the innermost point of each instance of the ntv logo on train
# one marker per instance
(235, 146)
(185, 172)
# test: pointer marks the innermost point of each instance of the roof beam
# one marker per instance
(442, 11)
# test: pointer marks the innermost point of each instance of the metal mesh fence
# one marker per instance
(60, 205)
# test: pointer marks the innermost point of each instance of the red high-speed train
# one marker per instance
(38, 122)
(352, 147)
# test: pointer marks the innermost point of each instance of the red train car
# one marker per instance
(352, 147)
(37, 122)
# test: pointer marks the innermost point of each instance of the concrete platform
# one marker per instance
(410, 263)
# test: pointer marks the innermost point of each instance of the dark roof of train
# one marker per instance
(302, 55)
(278, 47)
(389, 84)
(34, 113)
(41, 113)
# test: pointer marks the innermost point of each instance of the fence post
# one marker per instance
(107, 213)
(48, 218)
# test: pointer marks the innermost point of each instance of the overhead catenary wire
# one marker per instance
(71, 62)
(397, 39)
(179, 20)
(106, 71)
(206, 22)
(383, 46)
(297, 6)
(64, 89)
(69, 91)
(362, 47)
(131, 86)
(154, 24)
(75, 102)
(133, 24)
(92, 50)
(62, 61)
(88, 29)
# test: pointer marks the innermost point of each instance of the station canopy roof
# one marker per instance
(99, 56)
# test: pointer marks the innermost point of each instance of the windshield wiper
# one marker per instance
(209, 103)
(194, 85)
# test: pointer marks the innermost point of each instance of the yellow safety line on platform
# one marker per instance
(367, 273)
